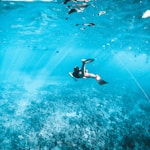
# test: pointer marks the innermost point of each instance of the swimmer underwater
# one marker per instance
(83, 73)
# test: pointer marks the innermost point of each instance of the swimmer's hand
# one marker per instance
(72, 76)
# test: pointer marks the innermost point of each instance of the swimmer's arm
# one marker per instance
(72, 76)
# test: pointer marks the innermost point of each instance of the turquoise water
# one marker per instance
(41, 107)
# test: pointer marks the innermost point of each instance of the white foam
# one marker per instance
(146, 14)
(29, 0)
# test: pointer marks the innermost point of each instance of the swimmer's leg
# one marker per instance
(83, 70)
(83, 66)
(89, 75)
(85, 61)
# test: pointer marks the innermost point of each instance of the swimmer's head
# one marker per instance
(76, 69)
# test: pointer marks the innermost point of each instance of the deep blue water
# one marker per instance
(41, 107)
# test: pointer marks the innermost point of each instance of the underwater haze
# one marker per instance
(42, 107)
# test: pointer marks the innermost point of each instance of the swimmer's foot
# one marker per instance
(99, 80)
(87, 60)
(97, 77)
(83, 60)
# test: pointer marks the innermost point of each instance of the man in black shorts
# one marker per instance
(83, 73)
